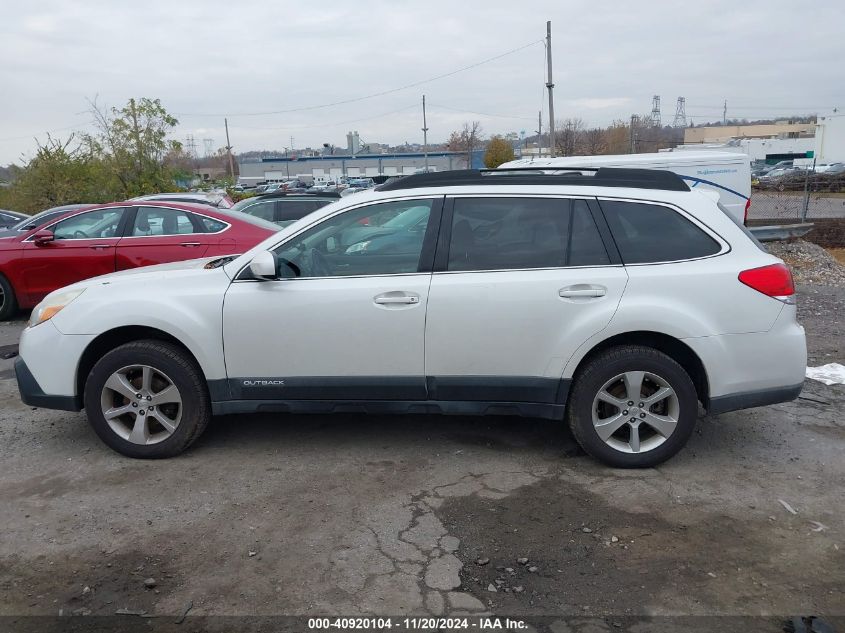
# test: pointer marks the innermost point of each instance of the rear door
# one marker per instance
(520, 282)
(158, 235)
(84, 247)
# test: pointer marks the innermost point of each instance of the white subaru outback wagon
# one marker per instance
(614, 299)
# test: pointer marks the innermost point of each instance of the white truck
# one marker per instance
(727, 173)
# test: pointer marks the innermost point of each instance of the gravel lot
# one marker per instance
(271, 515)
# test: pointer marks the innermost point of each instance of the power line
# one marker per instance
(58, 129)
(369, 96)
(325, 125)
(498, 116)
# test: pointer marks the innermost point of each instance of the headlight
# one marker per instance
(52, 305)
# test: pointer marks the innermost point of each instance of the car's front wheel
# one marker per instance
(632, 407)
(147, 399)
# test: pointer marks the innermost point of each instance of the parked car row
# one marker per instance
(342, 185)
(795, 178)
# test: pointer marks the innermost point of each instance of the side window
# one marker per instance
(347, 244)
(520, 233)
(211, 225)
(650, 233)
(263, 210)
(91, 225)
(289, 210)
(161, 221)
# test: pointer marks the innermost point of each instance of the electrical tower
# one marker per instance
(190, 146)
(680, 113)
(209, 146)
(655, 111)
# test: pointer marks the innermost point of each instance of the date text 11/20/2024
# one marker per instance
(479, 623)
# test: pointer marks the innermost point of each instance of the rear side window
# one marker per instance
(211, 225)
(521, 233)
(289, 210)
(651, 233)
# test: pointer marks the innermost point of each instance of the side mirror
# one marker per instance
(263, 266)
(43, 237)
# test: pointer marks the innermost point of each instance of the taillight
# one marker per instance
(747, 206)
(774, 280)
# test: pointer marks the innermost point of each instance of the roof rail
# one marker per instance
(580, 176)
(308, 194)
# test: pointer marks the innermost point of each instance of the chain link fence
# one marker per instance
(799, 196)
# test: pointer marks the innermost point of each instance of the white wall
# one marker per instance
(830, 139)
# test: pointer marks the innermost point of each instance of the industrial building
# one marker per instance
(331, 166)
(823, 142)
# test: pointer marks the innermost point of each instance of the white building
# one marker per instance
(830, 139)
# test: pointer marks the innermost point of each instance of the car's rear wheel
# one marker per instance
(147, 399)
(632, 407)
(8, 303)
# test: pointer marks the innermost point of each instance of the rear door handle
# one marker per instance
(189, 244)
(389, 298)
(582, 291)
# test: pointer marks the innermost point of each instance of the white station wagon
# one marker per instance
(616, 300)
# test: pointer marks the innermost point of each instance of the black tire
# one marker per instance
(8, 302)
(602, 368)
(186, 376)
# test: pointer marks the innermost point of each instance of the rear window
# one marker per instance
(651, 233)
(523, 233)
(249, 219)
(291, 209)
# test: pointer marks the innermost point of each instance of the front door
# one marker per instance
(84, 247)
(343, 321)
(519, 284)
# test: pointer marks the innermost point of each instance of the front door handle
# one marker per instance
(582, 291)
(396, 298)
(98, 247)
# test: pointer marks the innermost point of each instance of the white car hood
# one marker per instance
(149, 273)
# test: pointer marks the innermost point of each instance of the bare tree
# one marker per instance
(595, 141)
(466, 140)
(568, 137)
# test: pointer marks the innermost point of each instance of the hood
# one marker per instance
(174, 270)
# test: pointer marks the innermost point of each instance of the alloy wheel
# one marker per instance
(635, 411)
(141, 404)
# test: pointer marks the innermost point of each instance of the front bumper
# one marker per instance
(33, 395)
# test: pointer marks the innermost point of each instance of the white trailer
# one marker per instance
(728, 173)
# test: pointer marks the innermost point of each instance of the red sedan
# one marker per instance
(107, 238)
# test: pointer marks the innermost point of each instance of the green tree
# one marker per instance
(498, 151)
(62, 172)
(132, 143)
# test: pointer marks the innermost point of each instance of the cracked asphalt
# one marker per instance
(426, 515)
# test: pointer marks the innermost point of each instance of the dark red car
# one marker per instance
(111, 237)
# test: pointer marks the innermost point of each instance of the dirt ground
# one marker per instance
(350, 515)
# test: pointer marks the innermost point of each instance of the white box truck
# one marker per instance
(728, 173)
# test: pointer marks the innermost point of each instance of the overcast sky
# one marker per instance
(244, 59)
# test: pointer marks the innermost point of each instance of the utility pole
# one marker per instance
(229, 152)
(540, 134)
(634, 121)
(550, 85)
(725, 113)
(425, 137)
